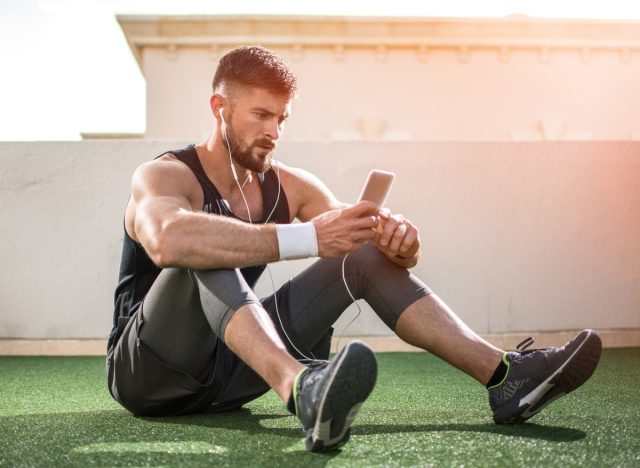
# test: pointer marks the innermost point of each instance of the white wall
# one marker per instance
(440, 98)
(517, 236)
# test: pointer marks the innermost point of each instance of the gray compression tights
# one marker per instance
(186, 311)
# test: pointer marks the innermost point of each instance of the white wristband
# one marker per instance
(297, 240)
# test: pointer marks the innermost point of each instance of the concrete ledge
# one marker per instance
(610, 338)
(21, 347)
(629, 338)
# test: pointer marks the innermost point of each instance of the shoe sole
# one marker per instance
(350, 383)
(574, 372)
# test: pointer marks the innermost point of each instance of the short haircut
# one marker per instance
(257, 67)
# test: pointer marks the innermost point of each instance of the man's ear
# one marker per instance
(216, 102)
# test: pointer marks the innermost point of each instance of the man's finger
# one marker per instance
(364, 235)
(362, 208)
(398, 237)
(389, 228)
(368, 222)
(408, 241)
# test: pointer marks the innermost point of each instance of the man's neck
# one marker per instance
(215, 159)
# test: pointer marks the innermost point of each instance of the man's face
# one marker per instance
(253, 125)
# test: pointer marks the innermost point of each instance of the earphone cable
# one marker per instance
(355, 302)
(275, 297)
(273, 286)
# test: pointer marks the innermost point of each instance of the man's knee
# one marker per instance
(213, 295)
(222, 293)
(369, 259)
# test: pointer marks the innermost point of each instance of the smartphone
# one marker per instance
(377, 187)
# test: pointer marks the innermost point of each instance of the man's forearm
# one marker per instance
(205, 241)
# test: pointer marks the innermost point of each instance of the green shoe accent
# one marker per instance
(295, 390)
(506, 363)
(538, 377)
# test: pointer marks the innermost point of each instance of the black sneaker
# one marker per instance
(537, 377)
(327, 396)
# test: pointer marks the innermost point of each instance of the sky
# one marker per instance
(66, 68)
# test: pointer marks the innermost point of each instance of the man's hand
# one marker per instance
(345, 230)
(398, 239)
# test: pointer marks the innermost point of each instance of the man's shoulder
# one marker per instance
(305, 190)
(295, 175)
(166, 171)
(166, 164)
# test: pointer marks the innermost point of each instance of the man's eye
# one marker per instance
(260, 115)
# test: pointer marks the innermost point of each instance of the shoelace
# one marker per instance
(523, 345)
(310, 377)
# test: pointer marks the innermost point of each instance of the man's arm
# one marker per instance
(395, 235)
(167, 222)
(175, 234)
(340, 227)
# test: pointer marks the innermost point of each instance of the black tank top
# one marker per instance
(137, 270)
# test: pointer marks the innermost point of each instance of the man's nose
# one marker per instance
(273, 130)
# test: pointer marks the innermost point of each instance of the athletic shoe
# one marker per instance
(327, 396)
(537, 377)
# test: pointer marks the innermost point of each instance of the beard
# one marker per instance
(245, 155)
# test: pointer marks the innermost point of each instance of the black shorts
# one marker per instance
(307, 307)
(147, 386)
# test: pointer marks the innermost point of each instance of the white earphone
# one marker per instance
(226, 139)
(235, 176)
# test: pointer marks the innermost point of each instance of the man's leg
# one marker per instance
(318, 296)
(185, 318)
(430, 324)
(187, 312)
(250, 334)
(521, 384)
(172, 359)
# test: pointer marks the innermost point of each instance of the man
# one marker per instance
(189, 332)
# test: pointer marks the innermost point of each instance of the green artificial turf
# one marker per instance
(57, 412)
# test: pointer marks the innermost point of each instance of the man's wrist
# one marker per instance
(297, 240)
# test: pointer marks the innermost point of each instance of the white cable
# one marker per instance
(235, 176)
(273, 286)
(275, 301)
(275, 297)
(279, 188)
(344, 280)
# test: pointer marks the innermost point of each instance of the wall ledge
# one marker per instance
(385, 343)
(379, 33)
